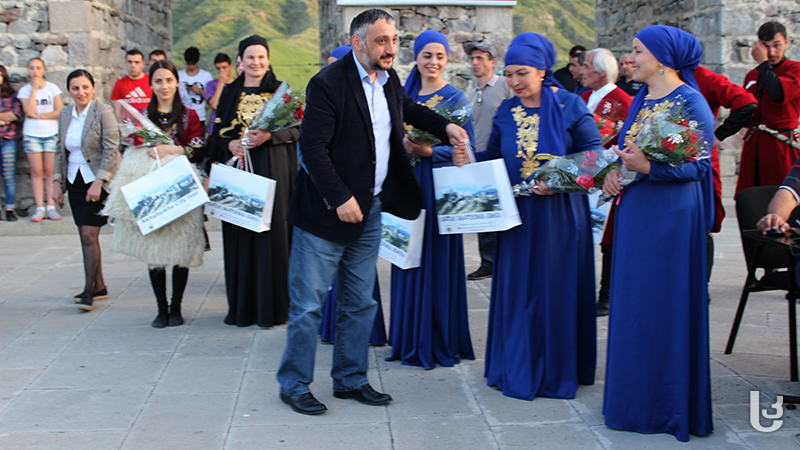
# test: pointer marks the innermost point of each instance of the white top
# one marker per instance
(598, 95)
(72, 141)
(45, 103)
(193, 100)
(381, 121)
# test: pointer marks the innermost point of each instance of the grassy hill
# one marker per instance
(217, 26)
(564, 22)
(292, 30)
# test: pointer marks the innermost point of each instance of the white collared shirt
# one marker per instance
(599, 95)
(72, 141)
(381, 120)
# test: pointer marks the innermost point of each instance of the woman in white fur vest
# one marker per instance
(181, 242)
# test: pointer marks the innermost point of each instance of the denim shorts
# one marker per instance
(33, 144)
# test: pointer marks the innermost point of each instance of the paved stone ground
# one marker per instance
(107, 380)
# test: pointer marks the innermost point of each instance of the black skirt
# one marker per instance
(85, 213)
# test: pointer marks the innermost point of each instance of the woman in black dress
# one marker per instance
(256, 264)
(86, 159)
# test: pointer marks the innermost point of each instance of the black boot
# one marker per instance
(175, 317)
(179, 277)
(158, 279)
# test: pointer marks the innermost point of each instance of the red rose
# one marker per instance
(684, 122)
(693, 138)
(607, 131)
(667, 144)
(298, 114)
(608, 123)
(597, 118)
(585, 181)
(287, 98)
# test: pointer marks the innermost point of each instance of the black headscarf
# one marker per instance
(229, 100)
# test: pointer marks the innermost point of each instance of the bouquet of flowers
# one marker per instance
(451, 109)
(136, 129)
(608, 127)
(283, 110)
(669, 137)
(580, 172)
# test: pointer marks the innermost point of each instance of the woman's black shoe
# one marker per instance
(85, 302)
(10, 216)
(161, 320)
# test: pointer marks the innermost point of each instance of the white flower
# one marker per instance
(675, 138)
(606, 108)
(693, 124)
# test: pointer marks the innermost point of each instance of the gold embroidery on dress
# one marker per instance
(646, 117)
(528, 141)
(248, 105)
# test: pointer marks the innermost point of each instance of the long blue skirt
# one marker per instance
(658, 375)
(542, 326)
(429, 323)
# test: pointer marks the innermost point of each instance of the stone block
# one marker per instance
(23, 27)
(8, 56)
(429, 11)
(69, 17)
(434, 23)
(23, 56)
(737, 22)
(450, 12)
(9, 15)
(3, 28)
(78, 48)
(54, 55)
(21, 43)
(40, 16)
(461, 25)
(4, 40)
(493, 19)
(415, 23)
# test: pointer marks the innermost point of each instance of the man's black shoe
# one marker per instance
(482, 273)
(366, 395)
(304, 403)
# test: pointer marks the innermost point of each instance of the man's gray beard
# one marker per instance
(376, 65)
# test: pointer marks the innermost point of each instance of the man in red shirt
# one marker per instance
(134, 88)
(776, 85)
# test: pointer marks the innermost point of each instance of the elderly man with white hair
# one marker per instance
(608, 103)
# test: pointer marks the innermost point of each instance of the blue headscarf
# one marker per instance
(534, 50)
(340, 51)
(673, 48)
(414, 83)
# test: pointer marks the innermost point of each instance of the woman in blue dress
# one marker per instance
(541, 340)
(429, 322)
(657, 374)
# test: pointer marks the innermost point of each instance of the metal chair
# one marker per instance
(777, 263)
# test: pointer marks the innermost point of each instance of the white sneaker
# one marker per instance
(38, 216)
(52, 214)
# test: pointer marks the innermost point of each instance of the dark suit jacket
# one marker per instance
(338, 150)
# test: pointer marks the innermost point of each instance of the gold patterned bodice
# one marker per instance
(528, 141)
(248, 105)
(646, 117)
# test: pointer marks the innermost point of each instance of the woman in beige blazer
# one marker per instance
(86, 159)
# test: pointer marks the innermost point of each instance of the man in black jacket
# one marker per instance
(354, 165)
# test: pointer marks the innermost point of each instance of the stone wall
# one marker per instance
(460, 23)
(72, 34)
(725, 28)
